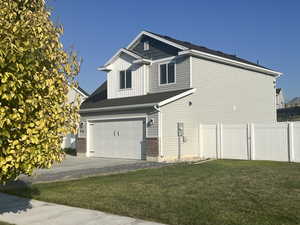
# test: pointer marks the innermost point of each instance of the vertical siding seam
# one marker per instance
(191, 71)
(88, 136)
(160, 134)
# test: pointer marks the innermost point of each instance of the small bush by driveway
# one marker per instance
(218, 192)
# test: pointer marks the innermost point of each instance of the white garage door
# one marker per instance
(118, 139)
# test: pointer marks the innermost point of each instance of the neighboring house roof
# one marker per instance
(295, 100)
(95, 101)
(99, 94)
(83, 91)
(278, 90)
(207, 50)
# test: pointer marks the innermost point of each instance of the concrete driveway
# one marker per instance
(77, 167)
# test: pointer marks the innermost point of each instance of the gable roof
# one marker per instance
(148, 100)
(187, 46)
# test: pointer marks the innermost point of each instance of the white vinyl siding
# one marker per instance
(124, 62)
(152, 130)
(224, 94)
(232, 95)
(179, 111)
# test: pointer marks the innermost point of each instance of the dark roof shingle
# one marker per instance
(207, 50)
(83, 91)
(95, 101)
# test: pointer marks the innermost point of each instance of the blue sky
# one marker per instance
(268, 31)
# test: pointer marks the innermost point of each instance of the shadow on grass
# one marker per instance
(13, 204)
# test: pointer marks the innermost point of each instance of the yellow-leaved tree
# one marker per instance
(35, 72)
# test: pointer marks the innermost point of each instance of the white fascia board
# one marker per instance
(230, 61)
(117, 107)
(117, 54)
(144, 61)
(157, 38)
(80, 92)
(104, 68)
(174, 98)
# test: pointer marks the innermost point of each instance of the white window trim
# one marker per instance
(166, 63)
(126, 88)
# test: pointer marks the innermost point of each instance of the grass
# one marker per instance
(218, 192)
(3, 223)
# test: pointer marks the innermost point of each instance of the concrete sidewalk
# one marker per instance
(22, 211)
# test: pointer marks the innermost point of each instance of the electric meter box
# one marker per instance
(180, 129)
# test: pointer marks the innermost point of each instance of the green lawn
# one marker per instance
(2, 223)
(217, 192)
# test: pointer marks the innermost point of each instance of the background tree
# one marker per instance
(34, 75)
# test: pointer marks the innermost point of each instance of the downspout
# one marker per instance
(160, 148)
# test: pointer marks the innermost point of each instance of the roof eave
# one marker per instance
(142, 61)
(103, 68)
(117, 108)
(117, 55)
(146, 105)
(176, 97)
(80, 92)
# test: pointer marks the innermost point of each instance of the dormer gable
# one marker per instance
(153, 49)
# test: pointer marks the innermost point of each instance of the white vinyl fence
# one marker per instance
(278, 141)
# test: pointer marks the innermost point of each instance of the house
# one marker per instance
(69, 141)
(295, 102)
(159, 89)
(280, 104)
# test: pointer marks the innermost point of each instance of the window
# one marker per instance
(125, 79)
(167, 73)
(146, 45)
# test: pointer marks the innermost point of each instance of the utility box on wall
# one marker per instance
(82, 130)
(81, 140)
(180, 129)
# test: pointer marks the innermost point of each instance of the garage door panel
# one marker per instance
(99, 145)
(118, 139)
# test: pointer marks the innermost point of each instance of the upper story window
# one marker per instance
(167, 73)
(125, 79)
(146, 45)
